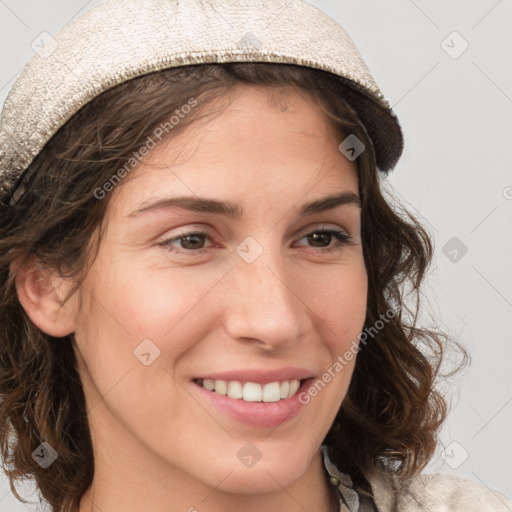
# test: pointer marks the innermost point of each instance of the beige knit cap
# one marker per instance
(124, 39)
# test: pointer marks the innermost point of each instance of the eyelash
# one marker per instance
(342, 238)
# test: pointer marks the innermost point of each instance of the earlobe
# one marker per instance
(41, 292)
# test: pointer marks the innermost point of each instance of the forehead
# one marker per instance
(263, 143)
(284, 104)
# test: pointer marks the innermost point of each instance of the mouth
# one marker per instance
(252, 391)
(270, 402)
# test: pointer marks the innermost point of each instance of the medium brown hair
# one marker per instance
(390, 418)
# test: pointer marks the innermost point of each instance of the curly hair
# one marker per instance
(391, 415)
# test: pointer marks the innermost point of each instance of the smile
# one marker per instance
(258, 397)
(252, 391)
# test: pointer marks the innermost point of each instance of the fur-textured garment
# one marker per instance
(424, 493)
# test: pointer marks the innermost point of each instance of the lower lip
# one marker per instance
(256, 414)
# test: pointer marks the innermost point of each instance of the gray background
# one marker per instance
(455, 174)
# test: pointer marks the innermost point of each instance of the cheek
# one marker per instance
(340, 309)
(145, 302)
(341, 306)
(129, 314)
(138, 317)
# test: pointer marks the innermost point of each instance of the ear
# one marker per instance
(41, 292)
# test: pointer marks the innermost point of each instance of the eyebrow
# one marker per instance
(235, 211)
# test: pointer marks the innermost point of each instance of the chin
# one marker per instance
(267, 475)
(260, 480)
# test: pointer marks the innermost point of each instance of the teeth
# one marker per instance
(235, 389)
(285, 388)
(209, 384)
(272, 392)
(221, 387)
(294, 386)
(251, 391)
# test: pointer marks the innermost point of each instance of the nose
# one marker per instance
(261, 302)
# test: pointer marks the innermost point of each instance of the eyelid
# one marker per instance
(191, 229)
(341, 235)
(322, 225)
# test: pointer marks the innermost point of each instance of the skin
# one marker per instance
(156, 446)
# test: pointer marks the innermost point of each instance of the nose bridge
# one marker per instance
(261, 302)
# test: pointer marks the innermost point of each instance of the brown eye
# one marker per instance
(321, 238)
(192, 243)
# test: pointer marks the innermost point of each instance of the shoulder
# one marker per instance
(441, 493)
(455, 493)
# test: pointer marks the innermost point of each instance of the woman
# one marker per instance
(202, 284)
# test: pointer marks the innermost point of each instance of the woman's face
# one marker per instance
(235, 284)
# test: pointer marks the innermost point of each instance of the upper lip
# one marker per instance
(260, 376)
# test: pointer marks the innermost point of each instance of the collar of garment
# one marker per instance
(349, 499)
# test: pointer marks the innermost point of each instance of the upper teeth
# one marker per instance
(251, 391)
